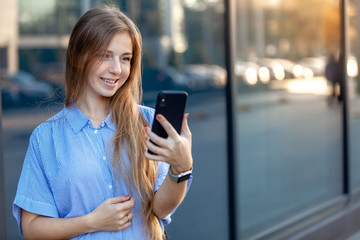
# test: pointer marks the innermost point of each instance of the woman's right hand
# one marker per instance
(114, 214)
(111, 215)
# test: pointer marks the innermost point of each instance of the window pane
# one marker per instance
(353, 88)
(289, 123)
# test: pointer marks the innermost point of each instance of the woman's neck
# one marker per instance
(95, 109)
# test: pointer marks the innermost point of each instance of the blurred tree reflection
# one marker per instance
(293, 29)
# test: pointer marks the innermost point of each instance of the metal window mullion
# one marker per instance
(343, 60)
(230, 51)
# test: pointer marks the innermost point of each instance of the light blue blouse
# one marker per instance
(67, 172)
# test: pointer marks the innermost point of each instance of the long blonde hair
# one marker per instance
(90, 37)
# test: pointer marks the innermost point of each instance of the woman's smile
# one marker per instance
(109, 82)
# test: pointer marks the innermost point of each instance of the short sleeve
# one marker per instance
(163, 169)
(33, 192)
(148, 113)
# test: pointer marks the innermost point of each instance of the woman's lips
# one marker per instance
(109, 82)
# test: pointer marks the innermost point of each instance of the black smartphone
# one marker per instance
(170, 104)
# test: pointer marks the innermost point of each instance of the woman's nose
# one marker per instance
(115, 67)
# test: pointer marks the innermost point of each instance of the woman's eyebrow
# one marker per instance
(124, 53)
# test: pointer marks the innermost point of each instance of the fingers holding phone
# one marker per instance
(175, 149)
(185, 130)
(169, 140)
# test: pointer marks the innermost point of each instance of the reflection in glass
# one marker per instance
(353, 89)
(289, 127)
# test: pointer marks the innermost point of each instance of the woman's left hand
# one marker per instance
(175, 149)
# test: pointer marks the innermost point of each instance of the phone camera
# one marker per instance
(163, 101)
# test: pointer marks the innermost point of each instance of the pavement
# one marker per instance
(356, 236)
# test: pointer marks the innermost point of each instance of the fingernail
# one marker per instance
(158, 117)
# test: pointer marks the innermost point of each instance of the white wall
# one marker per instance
(9, 32)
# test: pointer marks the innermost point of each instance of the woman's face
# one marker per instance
(113, 68)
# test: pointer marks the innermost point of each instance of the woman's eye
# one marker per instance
(105, 56)
(126, 59)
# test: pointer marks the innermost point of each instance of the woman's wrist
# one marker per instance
(180, 169)
(89, 223)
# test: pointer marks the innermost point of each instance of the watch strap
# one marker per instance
(180, 177)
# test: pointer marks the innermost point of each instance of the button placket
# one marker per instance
(104, 162)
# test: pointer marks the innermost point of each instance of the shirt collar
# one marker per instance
(78, 120)
(109, 122)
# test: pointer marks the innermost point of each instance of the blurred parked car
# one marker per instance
(251, 73)
(316, 64)
(10, 91)
(294, 70)
(155, 79)
(31, 89)
(52, 72)
(204, 77)
(285, 69)
(277, 71)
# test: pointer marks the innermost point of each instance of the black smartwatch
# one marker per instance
(180, 177)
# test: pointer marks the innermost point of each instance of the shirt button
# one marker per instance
(104, 158)
(103, 124)
(96, 131)
(110, 186)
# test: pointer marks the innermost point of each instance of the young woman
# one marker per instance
(87, 172)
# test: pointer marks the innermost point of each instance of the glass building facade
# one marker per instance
(273, 102)
(289, 131)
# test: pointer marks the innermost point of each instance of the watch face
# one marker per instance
(184, 178)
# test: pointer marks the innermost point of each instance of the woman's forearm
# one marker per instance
(114, 214)
(168, 197)
(40, 227)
